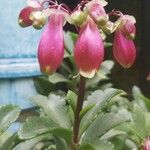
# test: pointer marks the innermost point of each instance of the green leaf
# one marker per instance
(71, 114)
(43, 86)
(4, 137)
(10, 142)
(139, 125)
(112, 133)
(119, 143)
(29, 144)
(140, 99)
(66, 134)
(72, 99)
(86, 109)
(105, 69)
(146, 101)
(74, 36)
(34, 126)
(129, 144)
(86, 147)
(57, 78)
(69, 43)
(136, 92)
(66, 55)
(97, 145)
(147, 119)
(66, 67)
(106, 86)
(60, 144)
(55, 108)
(103, 145)
(8, 114)
(100, 99)
(102, 124)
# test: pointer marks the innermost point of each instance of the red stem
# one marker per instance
(79, 105)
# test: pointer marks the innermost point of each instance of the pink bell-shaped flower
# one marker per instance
(51, 46)
(124, 50)
(89, 49)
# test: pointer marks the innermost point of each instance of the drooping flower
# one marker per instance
(89, 49)
(123, 47)
(51, 46)
(124, 50)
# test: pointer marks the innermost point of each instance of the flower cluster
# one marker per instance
(91, 18)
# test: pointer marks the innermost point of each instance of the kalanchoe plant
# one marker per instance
(73, 123)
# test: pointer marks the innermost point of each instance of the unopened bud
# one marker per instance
(24, 17)
(108, 28)
(78, 17)
(38, 19)
(102, 20)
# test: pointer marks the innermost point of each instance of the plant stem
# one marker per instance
(79, 105)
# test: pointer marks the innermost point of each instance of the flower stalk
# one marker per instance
(79, 105)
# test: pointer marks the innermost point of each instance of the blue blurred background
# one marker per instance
(18, 62)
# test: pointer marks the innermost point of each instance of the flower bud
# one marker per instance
(78, 17)
(146, 144)
(97, 12)
(38, 19)
(128, 26)
(24, 17)
(109, 27)
(124, 50)
(51, 46)
(89, 49)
